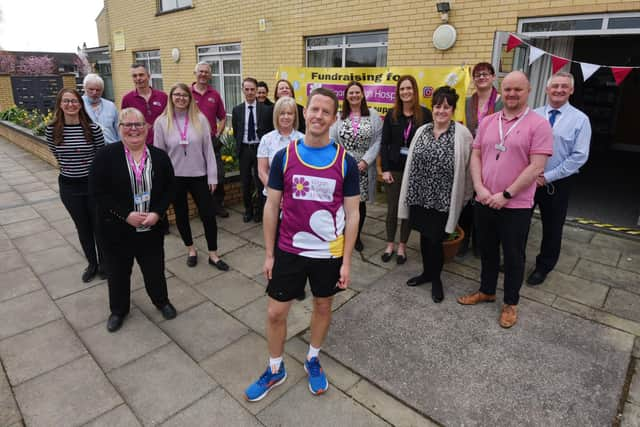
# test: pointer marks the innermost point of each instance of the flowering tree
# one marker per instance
(35, 65)
(7, 62)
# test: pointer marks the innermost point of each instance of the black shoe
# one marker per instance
(418, 280)
(114, 323)
(359, 246)
(168, 311)
(437, 293)
(302, 296)
(192, 260)
(220, 264)
(247, 217)
(401, 259)
(386, 256)
(89, 273)
(102, 272)
(536, 278)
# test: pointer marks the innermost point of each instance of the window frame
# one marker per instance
(160, 11)
(146, 60)
(603, 30)
(235, 53)
(343, 46)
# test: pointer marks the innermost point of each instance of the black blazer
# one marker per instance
(393, 139)
(264, 125)
(110, 186)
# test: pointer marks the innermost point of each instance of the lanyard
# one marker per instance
(137, 170)
(503, 136)
(407, 131)
(355, 125)
(183, 132)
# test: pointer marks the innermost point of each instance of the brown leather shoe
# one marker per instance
(475, 298)
(508, 317)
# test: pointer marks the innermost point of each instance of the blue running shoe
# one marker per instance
(265, 383)
(318, 383)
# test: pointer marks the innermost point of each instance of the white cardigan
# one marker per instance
(462, 189)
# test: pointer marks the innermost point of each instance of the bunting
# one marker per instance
(557, 62)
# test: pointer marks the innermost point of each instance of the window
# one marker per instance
(348, 50)
(151, 60)
(168, 5)
(577, 25)
(226, 71)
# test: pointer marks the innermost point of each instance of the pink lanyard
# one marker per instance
(183, 133)
(137, 170)
(355, 125)
(407, 131)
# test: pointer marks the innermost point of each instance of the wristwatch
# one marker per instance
(506, 194)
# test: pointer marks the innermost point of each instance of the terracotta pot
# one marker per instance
(450, 247)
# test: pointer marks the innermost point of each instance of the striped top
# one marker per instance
(75, 155)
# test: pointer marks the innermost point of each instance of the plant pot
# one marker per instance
(450, 247)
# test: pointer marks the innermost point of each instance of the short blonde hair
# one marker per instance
(281, 104)
(131, 110)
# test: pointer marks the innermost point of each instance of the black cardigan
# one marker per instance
(110, 186)
(393, 138)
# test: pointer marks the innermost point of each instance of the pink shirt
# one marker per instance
(211, 105)
(151, 110)
(532, 135)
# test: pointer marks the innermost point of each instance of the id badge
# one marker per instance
(145, 196)
(184, 142)
(404, 151)
(137, 199)
(500, 147)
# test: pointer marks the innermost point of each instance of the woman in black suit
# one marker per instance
(133, 185)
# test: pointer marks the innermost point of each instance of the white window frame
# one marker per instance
(145, 57)
(176, 7)
(220, 56)
(603, 30)
(343, 46)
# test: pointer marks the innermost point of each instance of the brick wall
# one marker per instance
(69, 81)
(6, 92)
(410, 24)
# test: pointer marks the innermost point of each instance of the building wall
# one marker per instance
(104, 31)
(410, 25)
(6, 92)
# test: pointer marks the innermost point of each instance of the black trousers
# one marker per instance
(363, 215)
(218, 194)
(553, 200)
(74, 193)
(249, 177)
(148, 250)
(509, 227)
(431, 224)
(199, 189)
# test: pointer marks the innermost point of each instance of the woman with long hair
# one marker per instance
(184, 133)
(436, 185)
(399, 126)
(359, 129)
(74, 141)
(285, 88)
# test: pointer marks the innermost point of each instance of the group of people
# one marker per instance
(307, 174)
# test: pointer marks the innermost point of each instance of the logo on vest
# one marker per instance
(313, 188)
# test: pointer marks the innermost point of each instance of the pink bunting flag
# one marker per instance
(620, 73)
(513, 42)
(557, 63)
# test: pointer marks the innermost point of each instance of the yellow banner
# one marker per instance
(380, 83)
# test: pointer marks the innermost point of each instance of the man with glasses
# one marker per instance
(210, 104)
(249, 123)
(102, 111)
(149, 101)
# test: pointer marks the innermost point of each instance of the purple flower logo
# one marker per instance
(300, 186)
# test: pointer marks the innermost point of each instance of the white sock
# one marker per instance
(313, 352)
(275, 363)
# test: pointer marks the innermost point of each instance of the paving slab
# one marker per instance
(70, 395)
(174, 248)
(65, 227)
(634, 387)
(40, 241)
(574, 288)
(192, 275)
(118, 417)
(579, 366)
(5, 241)
(10, 199)
(26, 312)
(374, 227)
(234, 224)
(240, 364)
(630, 261)
(228, 242)
(18, 282)
(153, 391)
(51, 210)
(363, 273)
(67, 280)
(630, 415)
(86, 308)
(248, 260)
(181, 295)
(231, 290)
(600, 254)
(203, 330)
(333, 408)
(623, 304)
(386, 407)
(137, 337)
(9, 412)
(40, 196)
(31, 187)
(620, 243)
(216, 408)
(254, 235)
(608, 275)
(598, 316)
(26, 228)
(40, 350)
(53, 259)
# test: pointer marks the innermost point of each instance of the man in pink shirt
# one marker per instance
(510, 151)
(149, 101)
(210, 104)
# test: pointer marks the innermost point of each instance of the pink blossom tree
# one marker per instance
(36, 65)
(7, 62)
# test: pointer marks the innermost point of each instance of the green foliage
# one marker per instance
(33, 120)
(228, 151)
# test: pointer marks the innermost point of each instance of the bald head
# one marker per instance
(515, 91)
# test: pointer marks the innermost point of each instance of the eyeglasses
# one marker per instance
(482, 75)
(180, 95)
(133, 125)
(70, 101)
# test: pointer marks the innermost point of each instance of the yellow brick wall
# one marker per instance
(410, 24)
(6, 92)
(69, 81)
(104, 31)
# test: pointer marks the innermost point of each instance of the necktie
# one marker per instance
(251, 135)
(552, 116)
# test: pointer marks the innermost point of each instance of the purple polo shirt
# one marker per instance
(211, 105)
(532, 135)
(151, 110)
